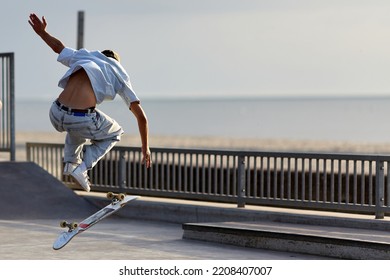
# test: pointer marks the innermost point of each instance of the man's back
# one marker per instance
(78, 92)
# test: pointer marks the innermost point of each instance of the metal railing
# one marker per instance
(334, 182)
(7, 100)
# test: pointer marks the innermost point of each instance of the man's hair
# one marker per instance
(112, 54)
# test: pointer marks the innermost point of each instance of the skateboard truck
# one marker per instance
(70, 226)
(115, 198)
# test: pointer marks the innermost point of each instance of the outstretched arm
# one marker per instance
(39, 27)
(142, 120)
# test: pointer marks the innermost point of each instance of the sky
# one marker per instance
(212, 48)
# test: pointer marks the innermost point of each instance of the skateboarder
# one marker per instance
(92, 77)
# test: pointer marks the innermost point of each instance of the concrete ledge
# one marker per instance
(287, 241)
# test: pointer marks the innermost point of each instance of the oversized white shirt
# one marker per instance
(107, 76)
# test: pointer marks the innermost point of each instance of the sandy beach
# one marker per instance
(213, 143)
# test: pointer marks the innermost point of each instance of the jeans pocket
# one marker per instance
(82, 126)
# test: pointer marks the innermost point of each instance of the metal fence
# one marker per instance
(334, 182)
(7, 100)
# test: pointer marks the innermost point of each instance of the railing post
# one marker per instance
(28, 152)
(7, 101)
(379, 190)
(241, 182)
(12, 108)
(122, 171)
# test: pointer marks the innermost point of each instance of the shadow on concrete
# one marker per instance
(29, 192)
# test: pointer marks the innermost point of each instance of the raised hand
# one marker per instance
(37, 24)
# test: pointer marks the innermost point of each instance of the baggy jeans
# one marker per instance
(102, 131)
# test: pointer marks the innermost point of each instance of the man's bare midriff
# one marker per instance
(78, 92)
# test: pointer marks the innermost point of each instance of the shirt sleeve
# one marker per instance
(124, 88)
(66, 55)
(128, 95)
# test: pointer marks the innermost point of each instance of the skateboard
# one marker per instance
(117, 202)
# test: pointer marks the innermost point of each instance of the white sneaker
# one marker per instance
(69, 167)
(80, 174)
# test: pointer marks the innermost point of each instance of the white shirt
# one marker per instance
(107, 76)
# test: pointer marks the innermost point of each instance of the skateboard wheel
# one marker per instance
(63, 224)
(73, 225)
(121, 196)
(110, 195)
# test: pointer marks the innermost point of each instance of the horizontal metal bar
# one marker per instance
(306, 155)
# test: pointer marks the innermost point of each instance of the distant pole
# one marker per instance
(80, 30)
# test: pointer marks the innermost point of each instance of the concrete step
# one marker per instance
(329, 241)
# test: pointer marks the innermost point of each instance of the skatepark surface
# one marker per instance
(32, 204)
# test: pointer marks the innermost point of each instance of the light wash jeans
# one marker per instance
(102, 131)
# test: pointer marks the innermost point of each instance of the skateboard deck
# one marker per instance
(118, 201)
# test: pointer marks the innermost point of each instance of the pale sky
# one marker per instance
(212, 48)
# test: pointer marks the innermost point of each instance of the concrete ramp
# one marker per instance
(29, 192)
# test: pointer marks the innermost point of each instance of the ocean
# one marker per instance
(331, 119)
